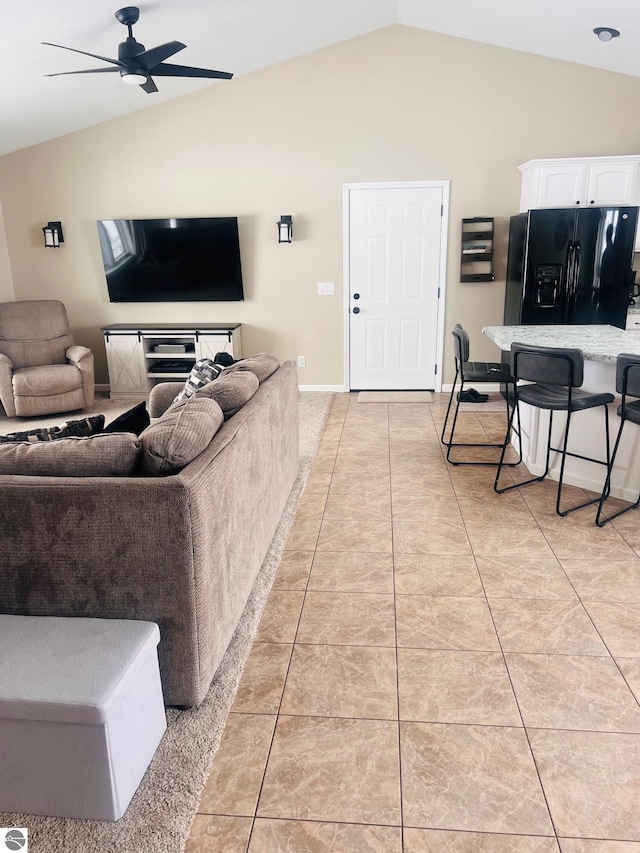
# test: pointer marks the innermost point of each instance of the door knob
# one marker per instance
(356, 310)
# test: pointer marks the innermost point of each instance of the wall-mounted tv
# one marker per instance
(171, 260)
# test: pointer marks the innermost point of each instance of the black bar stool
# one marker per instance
(556, 374)
(477, 373)
(628, 385)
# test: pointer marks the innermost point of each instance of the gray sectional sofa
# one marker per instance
(180, 550)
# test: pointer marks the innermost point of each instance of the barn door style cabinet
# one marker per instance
(139, 356)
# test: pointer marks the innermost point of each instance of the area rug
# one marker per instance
(395, 397)
(102, 405)
(161, 812)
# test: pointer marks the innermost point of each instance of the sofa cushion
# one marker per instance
(263, 364)
(110, 455)
(77, 428)
(203, 371)
(231, 391)
(180, 435)
(135, 420)
(46, 380)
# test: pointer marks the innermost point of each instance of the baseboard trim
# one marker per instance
(103, 389)
(336, 389)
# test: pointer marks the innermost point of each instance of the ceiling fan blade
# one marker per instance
(84, 53)
(165, 69)
(149, 58)
(149, 87)
(84, 71)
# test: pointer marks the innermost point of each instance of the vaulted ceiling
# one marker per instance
(245, 35)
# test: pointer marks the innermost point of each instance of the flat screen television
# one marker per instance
(171, 260)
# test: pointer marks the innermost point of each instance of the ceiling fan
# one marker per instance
(137, 65)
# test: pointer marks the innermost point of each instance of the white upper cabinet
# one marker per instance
(580, 181)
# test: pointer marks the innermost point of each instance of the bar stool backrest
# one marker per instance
(548, 365)
(460, 344)
(628, 374)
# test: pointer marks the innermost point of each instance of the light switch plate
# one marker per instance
(325, 288)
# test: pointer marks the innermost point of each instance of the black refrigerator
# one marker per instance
(570, 266)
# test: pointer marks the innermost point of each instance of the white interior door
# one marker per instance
(395, 270)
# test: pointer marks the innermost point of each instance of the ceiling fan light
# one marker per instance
(606, 33)
(134, 78)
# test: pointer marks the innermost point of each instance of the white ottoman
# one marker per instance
(81, 714)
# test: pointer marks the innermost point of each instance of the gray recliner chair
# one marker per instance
(41, 371)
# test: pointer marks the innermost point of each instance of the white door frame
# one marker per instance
(346, 290)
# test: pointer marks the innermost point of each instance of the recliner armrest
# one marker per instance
(5, 360)
(76, 353)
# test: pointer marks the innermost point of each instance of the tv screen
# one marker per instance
(171, 260)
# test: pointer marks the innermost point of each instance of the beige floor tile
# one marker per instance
(455, 687)
(619, 625)
(363, 481)
(610, 580)
(263, 679)
(476, 778)
(499, 539)
(436, 574)
(311, 506)
(280, 617)
(355, 534)
(430, 467)
(292, 836)
(353, 464)
(370, 507)
(424, 510)
(415, 449)
(423, 432)
(303, 535)
(545, 626)
(236, 774)
(477, 507)
(352, 572)
(587, 541)
(444, 622)
(585, 845)
(344, 618)
(293, 570)
(212, 833)
(362, 682)
(590, 780)
(573, 692)
(433, 538)
(416, 483)
(318, 481)
(443, 841)
(524, 577)
(630, 668)
(310, 753)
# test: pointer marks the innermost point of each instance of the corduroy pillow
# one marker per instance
(231, 391)
(263, 364)
(110, 455)
(180, 435)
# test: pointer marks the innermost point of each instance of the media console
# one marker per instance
(139, 356)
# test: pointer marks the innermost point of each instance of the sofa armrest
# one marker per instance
(75, 354)
(161, 397)
(82, 358)
(6, 385)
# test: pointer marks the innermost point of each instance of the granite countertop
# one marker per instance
(598, 343)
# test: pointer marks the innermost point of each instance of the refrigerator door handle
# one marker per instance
(574, 280)
(565, 295)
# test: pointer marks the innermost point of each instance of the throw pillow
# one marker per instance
(180, 435)
(135, 420)
(95, 456)
(263, 364)
(205, 370)
(231, 391)
(77, 428)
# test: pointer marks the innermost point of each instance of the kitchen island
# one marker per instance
(601, 346)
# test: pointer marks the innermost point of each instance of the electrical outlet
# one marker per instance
(301, 361)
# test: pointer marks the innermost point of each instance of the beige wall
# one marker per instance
(6, 285)
(397, 104)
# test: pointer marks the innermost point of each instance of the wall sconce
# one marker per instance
(285, 229)
(53, 235)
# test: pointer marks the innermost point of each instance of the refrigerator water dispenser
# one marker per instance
(546, 289)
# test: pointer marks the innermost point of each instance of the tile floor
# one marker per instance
(439, 668)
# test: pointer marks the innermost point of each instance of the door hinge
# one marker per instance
(442, 210)
(436, 370)
(438, 293)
